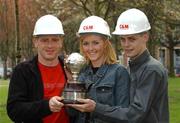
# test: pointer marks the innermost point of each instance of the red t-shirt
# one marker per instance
(53, 80)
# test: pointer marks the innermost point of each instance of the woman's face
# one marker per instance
(93, 47)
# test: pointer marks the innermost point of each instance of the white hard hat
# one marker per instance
(48, 25)
(94, 24)
(132, 21)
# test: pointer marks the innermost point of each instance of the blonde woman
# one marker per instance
(106, 81)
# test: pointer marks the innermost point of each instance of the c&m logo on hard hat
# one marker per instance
(88, 27)
(124, 26)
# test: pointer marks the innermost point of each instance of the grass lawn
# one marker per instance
(174, 100)
(3, 96)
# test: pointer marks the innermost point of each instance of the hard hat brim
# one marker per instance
(130, 32)
(95, 33)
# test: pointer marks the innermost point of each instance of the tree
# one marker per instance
(4, 42)
(72, 12)
(169, 37)
(27, 18)
(18, 49)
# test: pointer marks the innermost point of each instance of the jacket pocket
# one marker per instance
(104, 94)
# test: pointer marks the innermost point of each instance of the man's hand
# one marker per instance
(87, 105)
(54, 104)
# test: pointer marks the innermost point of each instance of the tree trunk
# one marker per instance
(18, 55)
(171, 57)
(5, 69)
(171, 49)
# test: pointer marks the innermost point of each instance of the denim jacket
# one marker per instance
(108, 86)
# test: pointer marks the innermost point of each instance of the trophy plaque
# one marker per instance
(74, 89)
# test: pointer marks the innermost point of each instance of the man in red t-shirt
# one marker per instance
(36, 85)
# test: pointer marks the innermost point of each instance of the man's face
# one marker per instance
(134, 45)
(48, 47)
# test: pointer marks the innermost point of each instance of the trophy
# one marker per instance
(74, 89)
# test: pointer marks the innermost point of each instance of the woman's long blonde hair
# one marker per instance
(109, 52)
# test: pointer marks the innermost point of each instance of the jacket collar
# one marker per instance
(34, 63)
(136, 63)
(101, 71)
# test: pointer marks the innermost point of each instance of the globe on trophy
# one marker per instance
(74, 89)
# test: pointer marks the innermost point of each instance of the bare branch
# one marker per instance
(76, 3)
(108, 9)
(86, 10)
(165, 44)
